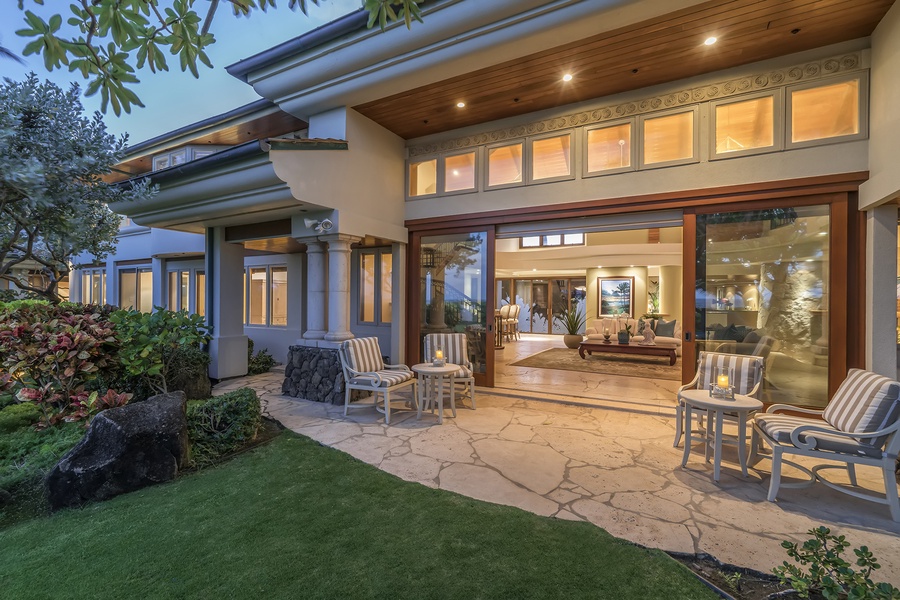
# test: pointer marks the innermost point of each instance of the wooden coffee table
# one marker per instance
(592, 346)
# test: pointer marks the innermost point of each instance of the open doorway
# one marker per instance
(612, 275)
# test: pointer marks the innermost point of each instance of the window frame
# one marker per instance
(193, 289)
(862, 107)
(137, 270)
(442, 172)
(268, 304)
(562, 243)
(438, 179)
(642, 120)
(486, 186)
(89, 271)
(573, 156)
(778, 124)
(376, 252)
(632, 121)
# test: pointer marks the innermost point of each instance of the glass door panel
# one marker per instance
(539, 311)
(762, 289)
(454, 292)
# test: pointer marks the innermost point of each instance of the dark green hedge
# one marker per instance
(222, 425)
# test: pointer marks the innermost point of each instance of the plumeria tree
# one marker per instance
(53, 202)
(109, 41)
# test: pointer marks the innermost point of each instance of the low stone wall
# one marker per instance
(315, 374)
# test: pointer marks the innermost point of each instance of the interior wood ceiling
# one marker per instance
(659, 50)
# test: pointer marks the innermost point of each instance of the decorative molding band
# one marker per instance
(741, 85)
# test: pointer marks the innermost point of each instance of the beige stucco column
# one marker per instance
(225, 279)
(339, 286)
(316, 291)
(881, 299)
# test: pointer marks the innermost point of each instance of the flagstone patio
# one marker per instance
(607, 462)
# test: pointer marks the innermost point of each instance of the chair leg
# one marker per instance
(890, 488)
(346, 398)
(776, 474)
(754, 446)
(679, 423)
(387, 406)
(453, 395)
(472, 392)
(851, 473)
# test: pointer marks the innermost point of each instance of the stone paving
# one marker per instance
(608, 463)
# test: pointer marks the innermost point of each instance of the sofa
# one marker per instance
(614, 324)
(735, 339)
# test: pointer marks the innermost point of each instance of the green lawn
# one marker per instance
(293, 519)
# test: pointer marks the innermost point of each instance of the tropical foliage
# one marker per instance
(222, 425)
(53, 202)
(108, 41)
(572, 320)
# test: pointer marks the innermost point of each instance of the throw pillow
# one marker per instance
(718, 332)
(666, 328)
(731, 333)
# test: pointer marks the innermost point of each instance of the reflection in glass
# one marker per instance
(505, 165)
(453, 285)
(745, 125)
(127, 289)
(145, 290)
(550, 157)
(387, 297)
(762, 289)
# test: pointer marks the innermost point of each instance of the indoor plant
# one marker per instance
(625, 334)
(572, 321)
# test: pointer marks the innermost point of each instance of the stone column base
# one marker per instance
(229, 356)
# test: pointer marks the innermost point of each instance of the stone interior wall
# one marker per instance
(791, 292)
(315, 374)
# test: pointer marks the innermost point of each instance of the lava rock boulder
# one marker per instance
(124, 449)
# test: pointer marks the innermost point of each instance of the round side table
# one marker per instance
(431, 386)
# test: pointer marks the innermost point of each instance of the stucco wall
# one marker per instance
(640, 288)
(884, 116)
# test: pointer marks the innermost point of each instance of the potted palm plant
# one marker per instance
(572, 321)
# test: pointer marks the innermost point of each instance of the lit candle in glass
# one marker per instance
(606, 331)
(439, 355)
(722, 380)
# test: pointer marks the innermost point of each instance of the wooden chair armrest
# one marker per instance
(354, 373)
(397, 368)
(807, 411)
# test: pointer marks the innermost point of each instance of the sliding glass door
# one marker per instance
(453, 290)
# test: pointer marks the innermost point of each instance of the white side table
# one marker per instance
(701, 400)
(431, 386)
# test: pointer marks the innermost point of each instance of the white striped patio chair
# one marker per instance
(364, 370)
(748, 376)
(860, 426)
(456, 351)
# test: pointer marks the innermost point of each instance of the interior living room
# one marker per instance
(540, 275)
(761, 289)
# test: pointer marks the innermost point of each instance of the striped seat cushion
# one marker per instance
(779, 427)
(388, 378)
(454, 345)
(463, 372)
(747, 370)
(864, 403)
(364, 354)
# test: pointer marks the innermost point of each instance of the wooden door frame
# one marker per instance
(413, 269)
(847, 273)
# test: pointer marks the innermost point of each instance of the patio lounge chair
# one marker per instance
(748, 376)
(364, 369)
(456, 352)
(860, 427)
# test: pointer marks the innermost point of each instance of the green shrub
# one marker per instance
(261, 362)
(55, 352)
(222, 425)
(189, 372)
(828, 573)
(148, 342)
(16, 416)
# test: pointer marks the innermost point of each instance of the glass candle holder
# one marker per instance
(722, 385)
(438, 360)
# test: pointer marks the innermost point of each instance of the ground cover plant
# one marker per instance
(222, 425)
(294, 519)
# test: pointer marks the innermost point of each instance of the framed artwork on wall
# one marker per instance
(615, 296)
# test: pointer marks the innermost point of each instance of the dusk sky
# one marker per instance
(173, 99)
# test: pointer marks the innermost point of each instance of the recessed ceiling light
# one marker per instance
(567, 77)
(534, 269)
(455, 173)
(710, 40)
(822, 233)
(599, 266)
(460, 105)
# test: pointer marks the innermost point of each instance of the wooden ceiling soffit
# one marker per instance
(308, 144)
(253, 231)
(660, 50)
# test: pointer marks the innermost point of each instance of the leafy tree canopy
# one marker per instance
(108, 41)
(53, 203)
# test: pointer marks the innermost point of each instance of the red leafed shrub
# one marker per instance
(53, 352)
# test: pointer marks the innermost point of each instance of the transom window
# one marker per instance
(551, 157)
(609, 148)
(745, 125)
(825, 111)
(423, 178)
(505, 165)
(459, 172)
(556, 239)
(669, 139)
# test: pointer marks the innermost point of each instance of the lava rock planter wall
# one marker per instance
(315, 374)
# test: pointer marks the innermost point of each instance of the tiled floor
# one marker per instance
(606, 460)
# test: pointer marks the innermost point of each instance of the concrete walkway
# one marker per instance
(609, 463)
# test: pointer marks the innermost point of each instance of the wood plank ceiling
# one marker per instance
(664, 49)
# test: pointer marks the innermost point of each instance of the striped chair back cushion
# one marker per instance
(745, 371)
(865, 402)
(454, 345)
(364, 354)
(763, 346)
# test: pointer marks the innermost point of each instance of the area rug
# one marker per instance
(649, 367)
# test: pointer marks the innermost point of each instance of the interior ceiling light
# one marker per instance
(460, 105)
(710, 40)
(567, 77)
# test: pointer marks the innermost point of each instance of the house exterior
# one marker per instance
(392, 182)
